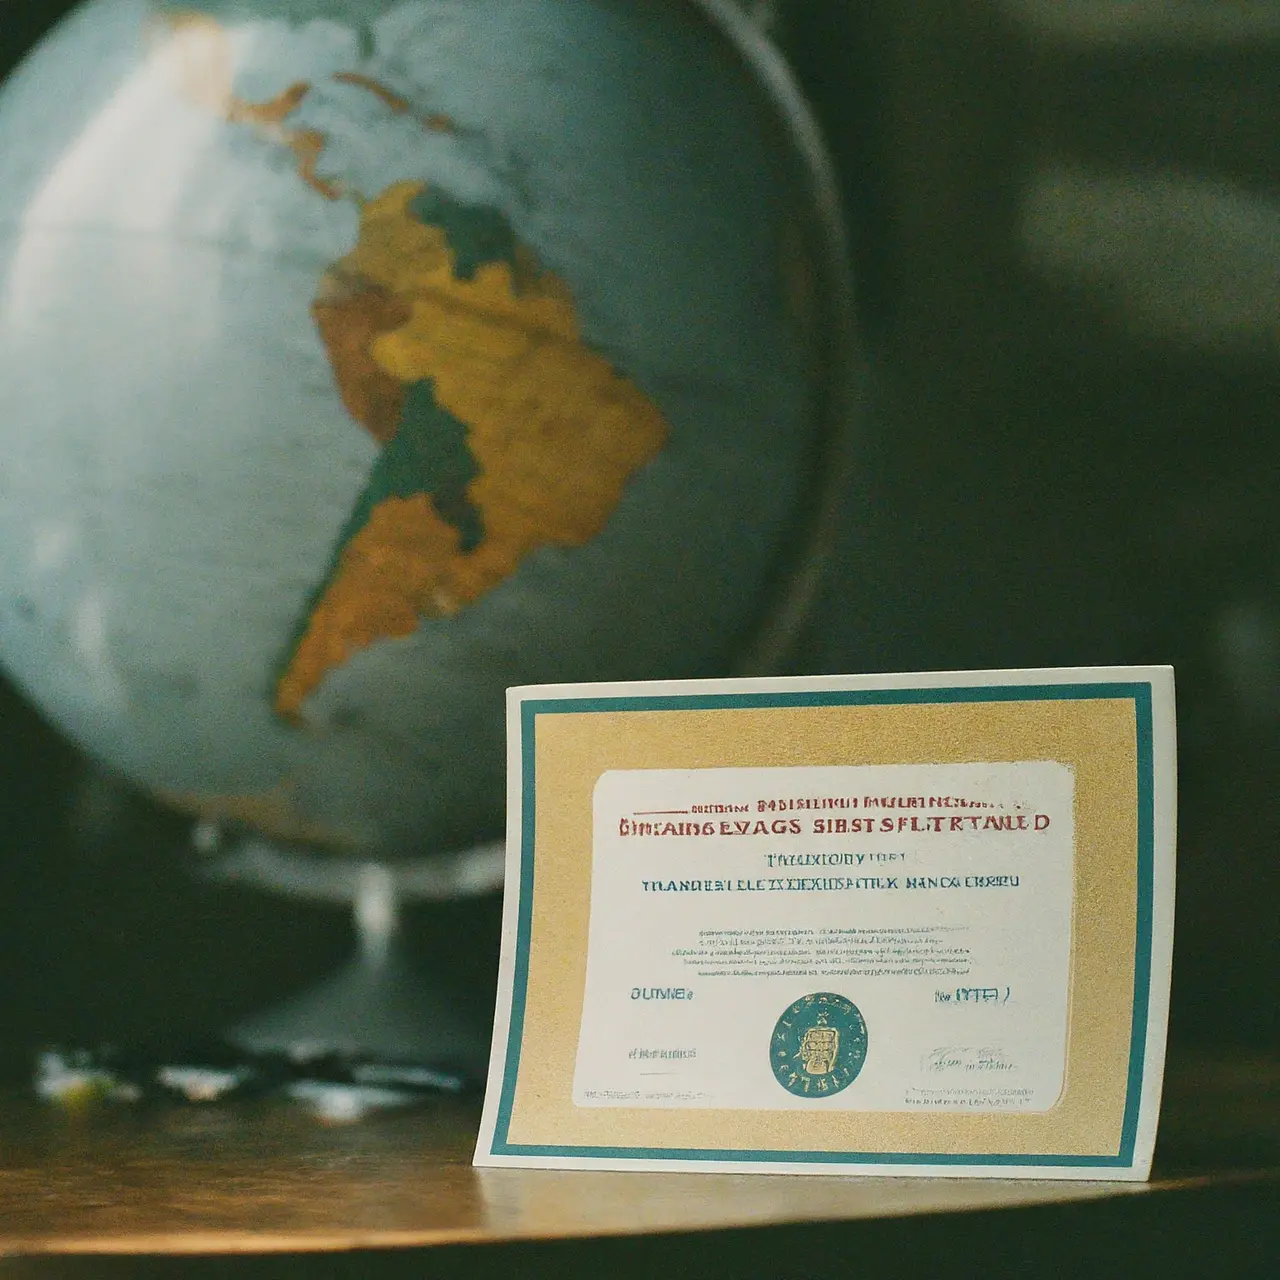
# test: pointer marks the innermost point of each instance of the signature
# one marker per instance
(966, 1058)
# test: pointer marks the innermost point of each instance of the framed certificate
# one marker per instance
(911, 924)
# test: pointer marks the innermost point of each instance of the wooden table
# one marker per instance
(265, 1178)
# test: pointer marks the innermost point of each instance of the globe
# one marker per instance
(362, 358)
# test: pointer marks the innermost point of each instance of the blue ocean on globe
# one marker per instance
(362, 358)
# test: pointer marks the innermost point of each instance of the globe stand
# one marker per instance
(377, 1005)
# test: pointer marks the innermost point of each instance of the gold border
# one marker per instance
(1096, 738)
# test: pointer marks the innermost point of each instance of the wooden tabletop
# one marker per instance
(267, 1176)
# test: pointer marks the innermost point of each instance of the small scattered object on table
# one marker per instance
(336, 1087)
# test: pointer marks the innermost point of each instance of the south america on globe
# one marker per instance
(502, 431)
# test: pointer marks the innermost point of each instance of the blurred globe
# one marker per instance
(359, 359)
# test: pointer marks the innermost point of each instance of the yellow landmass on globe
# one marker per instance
(557, 433)
(350, 314)
(388, 577)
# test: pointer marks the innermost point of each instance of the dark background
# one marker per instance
(1072, 458)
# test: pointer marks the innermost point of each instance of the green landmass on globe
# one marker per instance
(502, 431)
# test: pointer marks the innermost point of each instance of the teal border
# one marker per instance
(1139, 692)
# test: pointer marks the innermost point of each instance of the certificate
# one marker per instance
(893, 924)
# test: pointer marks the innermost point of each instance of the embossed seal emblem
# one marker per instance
(818, 1045)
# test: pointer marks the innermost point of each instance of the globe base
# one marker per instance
(379, 1005)
(384, 1011)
